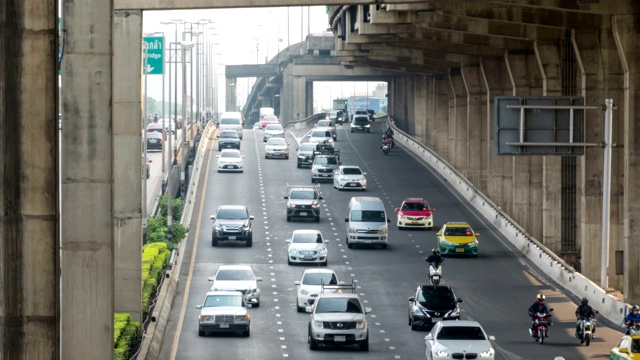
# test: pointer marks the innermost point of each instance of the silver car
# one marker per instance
(224, 311)
(322, 135)
(238, 278)
(323, 167)
(328, 125)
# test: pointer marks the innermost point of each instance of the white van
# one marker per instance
(231, 121)
(367, 221)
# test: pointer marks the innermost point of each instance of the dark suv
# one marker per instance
(228, 139)
(303, 202)
(431, 304)
(232, 222)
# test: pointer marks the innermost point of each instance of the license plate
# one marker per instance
(352, 184)
(228, 166)
(459, 250)
(232, 237)
(153, 141)
(303, 213)
(308, 257)
(340, 338)
(434, 319)
(224, 326)
(414, 222)
(367, 241)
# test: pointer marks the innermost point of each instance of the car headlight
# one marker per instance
(313, 206)
(383, 231)
(488, 353)
(244, 317)
(206, 317)
(362, 180)
(301, 157)
(318, 324)
(291, 206)
(293, 252)
(442, 353)
(445, 242)
(352, 230)
(322, 252)
(245, 227)
(474, 243)
(217, 227)
(418, 312)
(367, 126)
(304, 292)
(361, 324)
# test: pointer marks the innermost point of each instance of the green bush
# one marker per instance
(155, 257)
(176, 209)
(126, 336)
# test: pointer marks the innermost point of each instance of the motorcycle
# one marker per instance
(385, 148)
(435, 274)
(585, 330)
(633, 329)
(541, 322)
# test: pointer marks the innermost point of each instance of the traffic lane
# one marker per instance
(496, 258)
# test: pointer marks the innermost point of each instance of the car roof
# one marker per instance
(319, 271)
(349, 167)
(414, 200)
(457, 224)
(339, 295)
(459, 323)
(277, 126)
(227, 131)
(224, 292)
(231, 207)
(306, 231)
(235, 151)
(154, 134)
(234, 267)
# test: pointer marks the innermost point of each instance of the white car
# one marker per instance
(327, 125)
(349, 177)
(311, 285)
(223, 311)
(273, 130)
(238, 278)
(456, 339)
(230, 160)
(322, 135)
(276, 147)
(307, 247)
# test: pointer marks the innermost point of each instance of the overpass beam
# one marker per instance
(128, 175)
(29, 192)
(87, 262)
(458, 136)
(231, 94)
(476, 126)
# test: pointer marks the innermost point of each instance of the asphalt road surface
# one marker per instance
(497, 287)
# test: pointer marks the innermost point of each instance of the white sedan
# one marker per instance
(457, 340)
(307, 247)
(230, 160)
(276, 147)
(273, 130)
(311, 285)
(349, 177)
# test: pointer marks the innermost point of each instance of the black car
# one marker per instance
(431, 304)
(233, 223)
(305, 154)
(228, 139)
(154, 141)
(361, 123)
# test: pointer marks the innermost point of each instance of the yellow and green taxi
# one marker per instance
(457, 238)
(628, 348)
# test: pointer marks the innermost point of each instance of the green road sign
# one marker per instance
(153, 50)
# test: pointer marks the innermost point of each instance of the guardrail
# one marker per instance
(312, 118)
(548, 262)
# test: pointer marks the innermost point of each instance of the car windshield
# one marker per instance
(232, 214)
(235, 274)
(319, 134)
(338, 305)
(276, 141)
(326, 161)
(635, 346)
(274, 127)
(230, 154)
(223, 300)
(319, 279)
(325, 123)
(303, 195)
(367, 215)
(154, 135)
(307, 147)
(229, 121)
(306, 238)
(461, 333)
(351, 171)
(229, 134)
(434, 297)
(269, 118)
(458, 231)
(415, 206)
(361, 120)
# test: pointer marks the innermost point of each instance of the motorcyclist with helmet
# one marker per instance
(538, 307)
(435, 258)
(632, 318)
(585, 311)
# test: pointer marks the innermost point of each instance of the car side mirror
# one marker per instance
(438, 234)
(258, 278)
(150, 161)
(428, 337)
(433, 209)
(346, 219)
(251, 217)
(198, 306)
(297, 282)
(218, 156)
(249, 306)
(210, 279)
(320, 198)
(288, 241)
(243, 156)
(388, 220)
(367, 310)
(459, 300)
(623, 350)
(477, 234)
(308, 309)
(212, 217)
(492, 338)
(397, 209)
(412, 299)
(286, 197)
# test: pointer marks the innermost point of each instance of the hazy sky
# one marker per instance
(237, 33)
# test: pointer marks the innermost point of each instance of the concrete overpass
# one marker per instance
(455, 56)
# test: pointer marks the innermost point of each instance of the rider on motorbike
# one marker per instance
(538, 307)
(435, 258)
(585, 311)
(632, 318)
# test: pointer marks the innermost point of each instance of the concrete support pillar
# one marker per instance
(443, 110)
(458, 142)
(293, 96)
(548, 59)
(476, 126)
(402, 87)
(128, 174)
(498, 167)
(87, 263)
(430, 111)
(419, 109)
(231, 95)
(625, 32)
(308, 106)
(29, 274)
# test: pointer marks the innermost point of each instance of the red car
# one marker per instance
(415, 213)
(268, 119)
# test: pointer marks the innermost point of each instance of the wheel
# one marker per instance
(219, 148)
(299, 308)
(214, 241)
(286, 157)
(587, 340)
(368, 130)
(313, 181)
(313, 345)
(541, 336)
(318, 218)
(246, 333)
(414, 327)
(201, 332)
(288, 218)
(265, 156)
(289, 261)
(256, 305)
(299, 166)
(384, 246)
(365, 345)
(249, 242)
(325, 263)
(350, 246)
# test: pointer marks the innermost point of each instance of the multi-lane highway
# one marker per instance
(497, 287)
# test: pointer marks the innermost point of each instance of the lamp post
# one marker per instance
(185, 46)
(198, 114)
